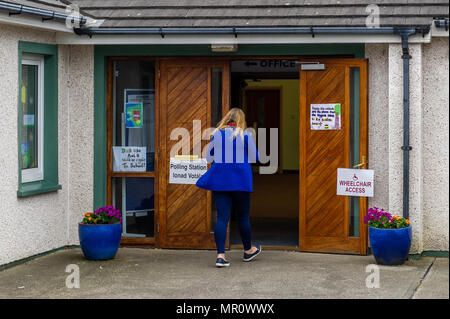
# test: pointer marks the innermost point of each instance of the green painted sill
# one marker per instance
(35, 188)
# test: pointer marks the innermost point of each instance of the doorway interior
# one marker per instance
(268, 93)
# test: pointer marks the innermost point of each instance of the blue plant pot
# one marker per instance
(99, 242)
(390, 246)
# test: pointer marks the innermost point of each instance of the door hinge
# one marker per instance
(116, 73)
(159, 74)
(157, 228)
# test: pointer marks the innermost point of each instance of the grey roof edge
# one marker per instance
(256, 30)
(68, 3)
(245, 6)
(45, 14)
(48, 14)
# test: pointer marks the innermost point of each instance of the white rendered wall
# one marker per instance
(40, 223)
(77, 98)
(435, 148)
(377, 54)
(429, 127)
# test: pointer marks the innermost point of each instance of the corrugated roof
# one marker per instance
(253, 13)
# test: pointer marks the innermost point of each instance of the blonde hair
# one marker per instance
(236, 116)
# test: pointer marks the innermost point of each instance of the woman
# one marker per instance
(230, 179)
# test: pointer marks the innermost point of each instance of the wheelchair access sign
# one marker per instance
(355, 182)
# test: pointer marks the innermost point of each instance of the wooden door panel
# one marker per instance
(326, 151)
(324, 225)
(185, 210)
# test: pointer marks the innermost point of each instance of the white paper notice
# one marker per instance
(326, 116)
(186, 171)
(129, 159)
(355, 182)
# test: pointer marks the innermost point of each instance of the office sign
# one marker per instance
(186, 171)
(264, 66)
(355, 182)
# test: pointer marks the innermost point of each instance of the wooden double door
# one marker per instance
(193, 96)
(328, 222)
(197, 89)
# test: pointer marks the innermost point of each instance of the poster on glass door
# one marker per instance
(145, 97)
(326, 116)
(133, 115)
(129, 159)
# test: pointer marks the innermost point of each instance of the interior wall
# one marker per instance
(290, 92)
(265, 202)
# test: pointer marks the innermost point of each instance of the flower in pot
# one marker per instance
(100, 232)
(389, 236)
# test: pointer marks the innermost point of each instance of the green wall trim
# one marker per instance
(356, 50)
(24, 260)
(35, 188)
(99, 129)
(50, 169)
(434, 253)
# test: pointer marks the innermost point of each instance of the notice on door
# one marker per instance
(355, 182)
(134, 115)
(129, 159)
(326, 116)
(186, 171)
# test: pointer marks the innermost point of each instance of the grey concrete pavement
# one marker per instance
(156, 273)
(435, 283)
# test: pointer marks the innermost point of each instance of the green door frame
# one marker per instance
(101, 52)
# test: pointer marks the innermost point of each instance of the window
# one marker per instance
(37, 130)
(31, 100)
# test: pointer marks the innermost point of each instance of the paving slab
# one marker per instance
(187, 274)
(435, 284)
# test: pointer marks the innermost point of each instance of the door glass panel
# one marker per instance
(135, 197)
(354, 148)
(134, 127)
(216, 96)
(29, 100)
(216, 116)
(134, 107)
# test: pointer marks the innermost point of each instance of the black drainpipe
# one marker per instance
(406, 147)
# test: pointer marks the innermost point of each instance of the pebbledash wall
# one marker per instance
(429, 137)
(41, 223)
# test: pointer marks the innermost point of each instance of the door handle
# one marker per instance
(363, 163)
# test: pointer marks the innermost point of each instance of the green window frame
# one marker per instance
(49, 182)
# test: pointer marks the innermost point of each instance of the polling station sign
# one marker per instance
(355, 182)
(186, 171)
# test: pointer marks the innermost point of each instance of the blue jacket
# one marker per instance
(231, 159)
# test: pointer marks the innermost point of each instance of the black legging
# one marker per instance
(240, 201)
